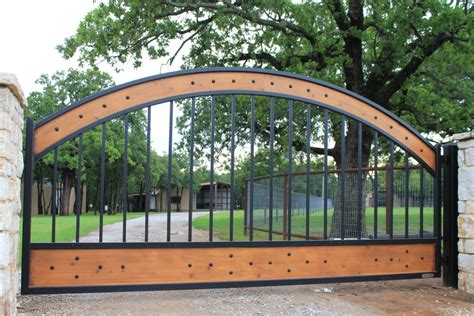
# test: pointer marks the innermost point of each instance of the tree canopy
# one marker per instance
(412, 57)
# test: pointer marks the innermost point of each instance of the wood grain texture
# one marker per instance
(56, 268)
(105, 106)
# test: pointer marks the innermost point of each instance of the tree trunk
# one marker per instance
(78, 201)
(39, 189)
(68, 179)
(161, 200)
(352, 216)
(140, 198)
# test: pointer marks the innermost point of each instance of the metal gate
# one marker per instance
(364, 229)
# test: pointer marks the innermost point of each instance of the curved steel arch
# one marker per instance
(112, 102)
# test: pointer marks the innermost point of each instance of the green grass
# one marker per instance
(66, 225)
(41, 227)
(221, 223)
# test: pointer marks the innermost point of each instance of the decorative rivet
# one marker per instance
(375, 117)
(231, 256)
(189, 265)
(391, 259)
(251, 263)
(210, 264)
(233, 80)
(307, 261)
(272, 83)
(406, 251)
(104, 105)
(269, 262)
(56, 129)
(376, 259)
(100, 267)
(52, 267)
(192, 82)
(253, 81)
(122, 266)
(406, 266)
(289, 254)
(421, 150)
(422, 258)
(213, 81)
(77, 258)
(325, 261)
(231, 272)
(326, 95)
(127, 97)
(391, 126)
(289, 270)
(81, 116)
(308, 90)
(291, 86)
(76, 276)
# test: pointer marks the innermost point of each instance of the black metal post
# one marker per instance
(28, 185)
(437, 209)
(450, 216)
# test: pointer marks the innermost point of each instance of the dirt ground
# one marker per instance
(406, 297)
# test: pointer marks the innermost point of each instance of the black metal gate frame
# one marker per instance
(31, 157)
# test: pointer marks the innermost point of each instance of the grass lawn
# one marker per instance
(66, 226)
(221, 223)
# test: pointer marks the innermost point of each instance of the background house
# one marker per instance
(180, 199)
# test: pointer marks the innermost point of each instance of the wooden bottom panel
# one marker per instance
(92, 267)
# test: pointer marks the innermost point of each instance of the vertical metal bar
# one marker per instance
(285, 206)
(246, 207)
(252, 162)
(170, 167)
(326, 175)
(27, 192)
(232, 171)
(308, 164)
(102, 184)
(78, 189)
(343, 174)
(53, 196)
(392, 162)
(290, 164)
(211, 186)
(125, 180)
(407, 192)
(437, 208)
(422, 199)
(376, 183)
(450, 216)
(359, 180)
(191, 171)
(270, 171)
(147, 172)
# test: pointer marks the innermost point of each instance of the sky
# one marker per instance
(30, 31)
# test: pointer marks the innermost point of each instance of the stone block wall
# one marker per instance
(12, 104)
(466, 211)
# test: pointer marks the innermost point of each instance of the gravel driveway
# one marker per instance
(156, 230)
(426, 297)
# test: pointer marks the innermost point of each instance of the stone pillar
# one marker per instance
(12, 104)
(466, 211)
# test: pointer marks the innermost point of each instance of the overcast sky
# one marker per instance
(31, 30)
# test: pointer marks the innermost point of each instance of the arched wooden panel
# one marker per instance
(90, 111)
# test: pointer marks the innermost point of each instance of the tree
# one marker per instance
(62, 89)
(408, 56)
(58, 91)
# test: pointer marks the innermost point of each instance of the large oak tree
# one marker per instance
(415, 58)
